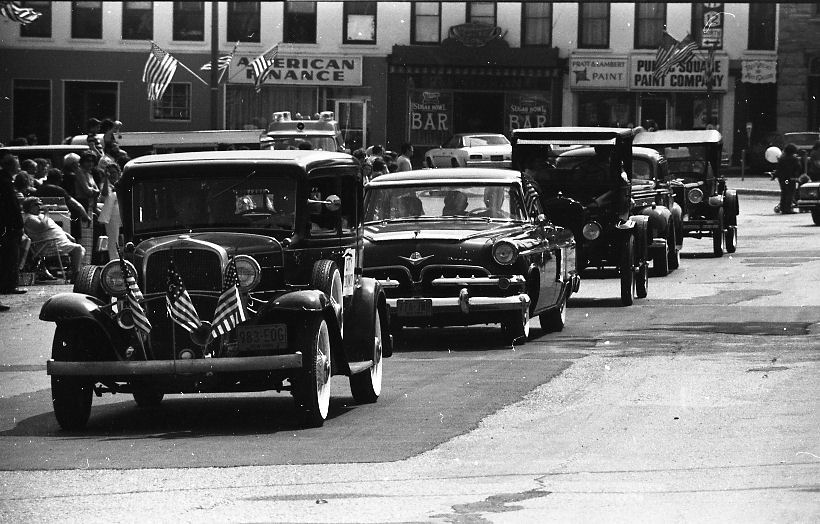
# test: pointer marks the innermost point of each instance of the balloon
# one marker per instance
(772, 154)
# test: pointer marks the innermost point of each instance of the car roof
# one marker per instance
(52, 148)
(478, 133)
(640, 152)
(306, 159)
(572, 135)
(671, 136)
(455, 175)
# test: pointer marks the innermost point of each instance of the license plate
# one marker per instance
(262, 338)
(417, 307)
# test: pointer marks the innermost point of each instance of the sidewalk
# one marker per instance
(752, 185)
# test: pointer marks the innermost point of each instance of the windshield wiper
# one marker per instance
(230, 188)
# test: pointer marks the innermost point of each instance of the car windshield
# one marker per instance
(436, 201)
(214, 198)
(801, 139)
(687, 162)
(641, 169)
(323, 143)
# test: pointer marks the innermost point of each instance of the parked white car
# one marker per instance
(472, 150)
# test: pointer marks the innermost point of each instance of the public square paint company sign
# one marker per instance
(304, 70)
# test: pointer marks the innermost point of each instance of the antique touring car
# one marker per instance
(467, 246)
(589, 191)
(241, 272)
(709, 208)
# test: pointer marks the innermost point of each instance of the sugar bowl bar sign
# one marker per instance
(304, 70)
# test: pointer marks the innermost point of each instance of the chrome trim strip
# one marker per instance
(475, 304)
(173, 367)
(477, 281)
(389, 283)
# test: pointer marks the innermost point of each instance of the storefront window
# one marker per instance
(86, 19)
(593, 25)
(243, 22)
(189, 21)
(426, 19)
(41, 27)
(650, 23)
(32, 109)
(360, 22)
(245, 109)
(300, 22)
(761, 26)
(600, 108)
(137, 20)
(481, 13)
(536, 24)
(175, 104)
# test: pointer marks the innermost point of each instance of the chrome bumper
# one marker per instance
(499, 282)
(465, 304)
(174, 367)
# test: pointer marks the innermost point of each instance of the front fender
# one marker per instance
(658, 217)
(83, 310)
(367, 298)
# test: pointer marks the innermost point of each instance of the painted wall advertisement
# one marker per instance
(526, 110)
(759, 71)
(431, 117)
(604, 72)
(690, 76)
(313, 70)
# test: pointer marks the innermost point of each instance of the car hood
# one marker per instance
(233, 243)
(448, 231)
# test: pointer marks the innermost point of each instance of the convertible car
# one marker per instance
(471, 150)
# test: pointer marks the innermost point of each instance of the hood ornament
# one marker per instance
(415, 258)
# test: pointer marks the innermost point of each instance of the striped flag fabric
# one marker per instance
(684, 52)
(16, 13)
(223, 62)
(180, 306)
(159, 70)
(261, 65)
(665, 51)
(133, 297)
(229, 309)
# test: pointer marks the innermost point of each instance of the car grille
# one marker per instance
(497, 158)
(200, 269)
(162, 338)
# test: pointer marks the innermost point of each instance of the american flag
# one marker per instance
(180, 307)
(222, 63)
(229, 309)
(261, 65)
(16, 13)
(665, 52)
(133, 297)
(684, 52)
(158, 72)
(680, 53)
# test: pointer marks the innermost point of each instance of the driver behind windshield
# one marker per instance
(493, 202)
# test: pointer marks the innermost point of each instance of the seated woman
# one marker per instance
(41, 229)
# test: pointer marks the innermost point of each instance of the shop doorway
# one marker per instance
(352, 117)
(32, 110)
(653, 109)
(478, 112)
(84, 100)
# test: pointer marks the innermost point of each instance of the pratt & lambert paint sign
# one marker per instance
(598, 72)
(304, 70)
(682, 77)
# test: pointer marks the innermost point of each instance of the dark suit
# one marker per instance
(11, 232)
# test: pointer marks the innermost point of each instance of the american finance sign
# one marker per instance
(691, 76)
(304, 70)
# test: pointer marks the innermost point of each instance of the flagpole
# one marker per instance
(233, 52)
(214, 65)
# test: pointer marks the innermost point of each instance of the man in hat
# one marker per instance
(41, 228)
(93, 140)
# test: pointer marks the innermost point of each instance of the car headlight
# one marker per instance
(112, 279)
(505, 252)
(591, 230)
(695, 196)
(248, 272)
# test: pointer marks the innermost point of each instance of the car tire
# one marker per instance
(327, 278)
(87, 282)
(626, 268)
(660, 261)
(70, 396)
(367, 385)
(731, 239)
(674, 252)
(555, 318)
(516, 326)
(815, 216)
(314, 395)
(454, 162)
(148, 399)
(642, 280)
(717, 235)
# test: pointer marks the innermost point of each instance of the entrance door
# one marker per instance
(478, 112)
(352, 117)
(84, 100)
(653, 109)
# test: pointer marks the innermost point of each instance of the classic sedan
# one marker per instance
(471, 150)
(467, 246)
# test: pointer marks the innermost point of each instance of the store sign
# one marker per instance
(431, 116)
(759, 71)
(712, 32)
(474, 34)
(601, 72)
(691, 76)
(321, 70)
(526, 110)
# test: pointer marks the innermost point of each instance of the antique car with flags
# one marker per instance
(471, 150)
(240, 272)
(467, 246)
(589, 190)
(709, 207)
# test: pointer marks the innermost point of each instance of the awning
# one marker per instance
(487, 61)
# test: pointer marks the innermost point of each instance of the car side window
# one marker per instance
(324, 221)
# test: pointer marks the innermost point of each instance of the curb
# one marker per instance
(762, 192)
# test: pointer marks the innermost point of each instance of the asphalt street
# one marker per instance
(698, 403)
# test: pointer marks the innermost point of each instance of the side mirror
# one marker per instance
(332, 203)
(562, 236)
(541, 219)
(773, 154)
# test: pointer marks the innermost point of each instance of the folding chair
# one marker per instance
(41, 251)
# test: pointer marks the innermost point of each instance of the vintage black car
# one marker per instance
(808, 199)
(709, 208)
(589, 191)
(250, 267)
(467, 246)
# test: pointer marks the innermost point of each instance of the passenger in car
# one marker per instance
(455, 204)
(410, 206)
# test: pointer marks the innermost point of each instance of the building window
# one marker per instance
(175, 104)
(32, 109)
(40, 28)
(814, 95)
(86, 19)
(426, 23)
(300, 22)
(137, 20)
(701, 14)
(243, 21)
(593, 25)
(761, 26)
(650, 23)
(536, 24)
(481, 13)
(189, 21)
(360, 22)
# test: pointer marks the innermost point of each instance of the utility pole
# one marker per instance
(710, 61)
(214, 64)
